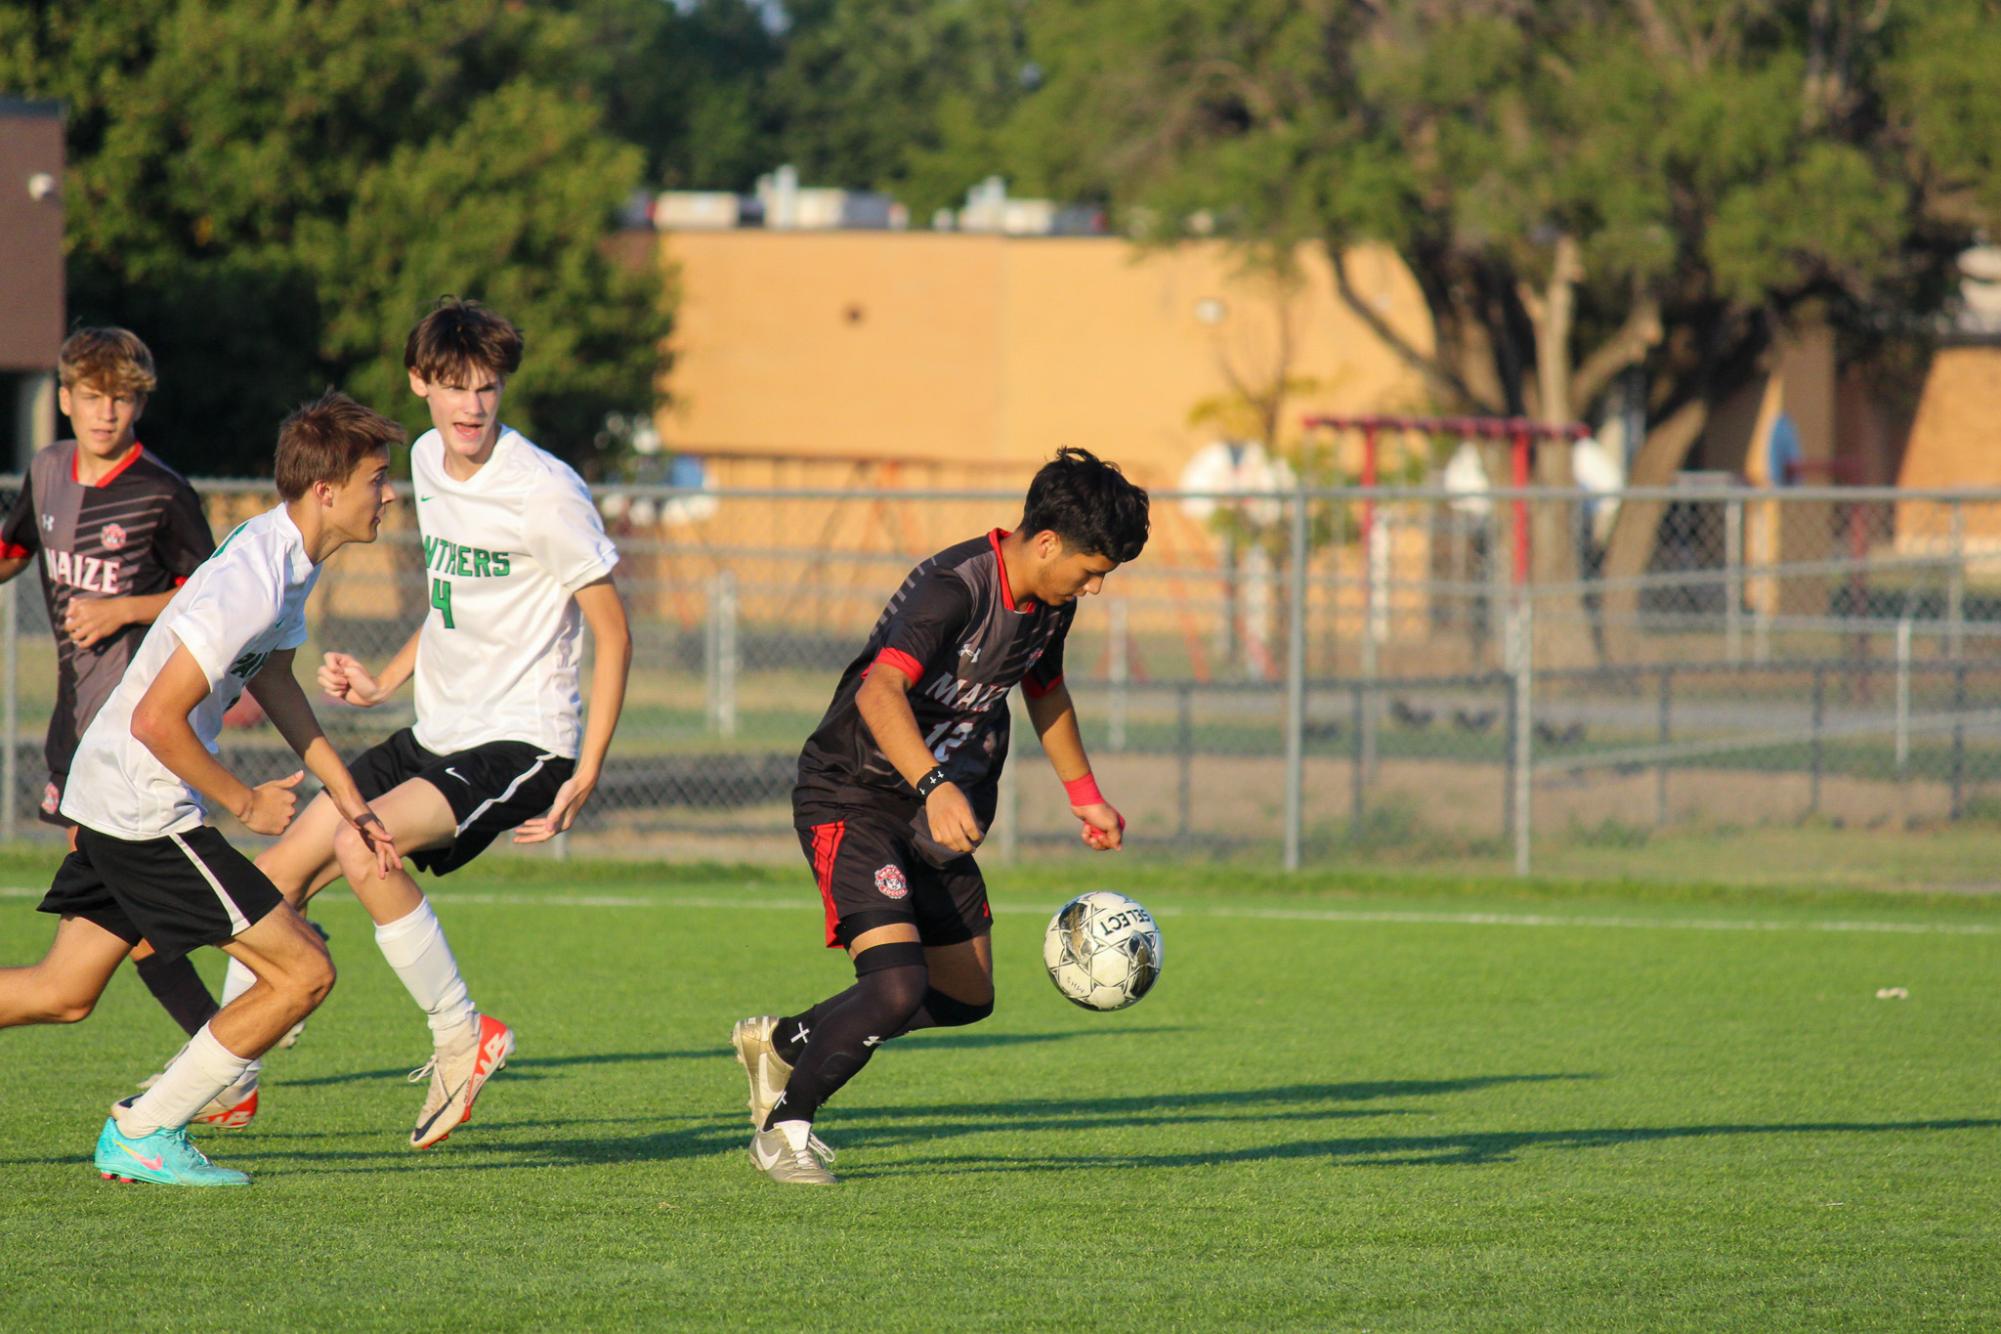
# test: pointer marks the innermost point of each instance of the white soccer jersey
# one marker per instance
(244, 603)
(505, 552)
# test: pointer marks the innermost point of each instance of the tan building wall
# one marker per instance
(1954, 441)
(992, 351)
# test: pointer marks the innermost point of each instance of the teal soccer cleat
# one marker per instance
(165, 1158)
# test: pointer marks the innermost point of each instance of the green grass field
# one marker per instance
(1362, 1103)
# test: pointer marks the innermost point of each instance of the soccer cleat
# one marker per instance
(760, 1062)
(165, 1158)
(232, 1109)
(803, 1164)
(456, 1079)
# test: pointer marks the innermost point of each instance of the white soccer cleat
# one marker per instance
(791, 1153)
(767, 1074)
(233, 1108)
(456, 1079)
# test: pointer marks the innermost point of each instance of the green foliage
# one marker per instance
(1726, 166)
(900, 95)
(273, 192)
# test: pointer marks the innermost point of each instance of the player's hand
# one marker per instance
(342, 676)
(93, 620)
(1104, 827)
(375, 837)
(570, 799)
(271, 804)
(951, 817)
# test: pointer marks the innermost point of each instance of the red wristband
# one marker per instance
(1083, 791)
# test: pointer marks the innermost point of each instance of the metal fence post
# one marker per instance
(1958, 739)
(720, 654)
(1663, 732)
(1510, 707)
(1904, 696)
(1184, 751)
(1815, 745)
(1295, 687)
(1120, 671)
(1733, 579)
(1359, 782)
(1521, 634)
(1955, 588)
(10, 663)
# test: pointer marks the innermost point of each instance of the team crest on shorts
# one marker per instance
(113, 536)
(889, 882)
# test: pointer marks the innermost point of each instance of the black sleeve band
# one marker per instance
(931, 781)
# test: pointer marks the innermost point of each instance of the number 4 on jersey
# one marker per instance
(441, 598)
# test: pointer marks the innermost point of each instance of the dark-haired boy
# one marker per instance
(116, 532)
(518, 564)
(898, 785)
(146, 864)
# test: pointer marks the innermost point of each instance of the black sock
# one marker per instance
(789, 1038)
(179, 989)
(879, 1006)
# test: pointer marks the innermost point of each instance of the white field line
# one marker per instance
(1397, 917)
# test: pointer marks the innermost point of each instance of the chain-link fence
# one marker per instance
(1700, 681)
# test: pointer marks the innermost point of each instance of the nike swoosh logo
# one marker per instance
(152, 1164)
(422, 499)
(757, 1152)
(456, 774)
(451, 1097)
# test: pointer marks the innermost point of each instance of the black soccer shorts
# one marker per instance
(176, 893)
(491, 788)
(871, 874)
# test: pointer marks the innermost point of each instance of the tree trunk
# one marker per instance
(1631, 549)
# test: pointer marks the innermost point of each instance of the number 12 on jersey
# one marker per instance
(441, 598)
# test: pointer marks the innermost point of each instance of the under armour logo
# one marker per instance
(48, 523)
(970, 652)
(871, 1041)
(800, 1036)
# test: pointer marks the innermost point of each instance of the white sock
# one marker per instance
(237, 980)
(796, 1133)
(203, 1069)
(415, 947)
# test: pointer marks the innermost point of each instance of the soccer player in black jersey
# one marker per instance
(113, 531)
(897, 787)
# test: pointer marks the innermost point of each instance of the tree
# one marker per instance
(904, 96)
(273, 192)
(1578, 187)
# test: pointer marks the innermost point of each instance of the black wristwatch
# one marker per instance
(931, 781)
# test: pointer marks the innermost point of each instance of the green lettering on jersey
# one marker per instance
(441, 598)
(480, 561)
(500, 564)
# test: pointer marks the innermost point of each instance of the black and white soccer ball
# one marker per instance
(1102, 950)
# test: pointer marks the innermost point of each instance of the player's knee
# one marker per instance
(316, 982)
(353, 853)
(68, 1009)
(896, 980)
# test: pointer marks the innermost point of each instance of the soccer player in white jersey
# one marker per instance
(517, 563)
(146, 773)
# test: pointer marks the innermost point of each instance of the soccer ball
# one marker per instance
(1102, 950)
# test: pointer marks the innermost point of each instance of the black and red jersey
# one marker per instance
(956, 631)
(138, 530)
